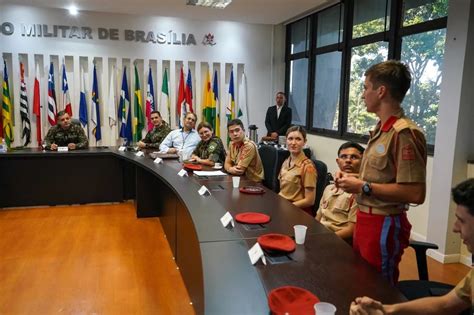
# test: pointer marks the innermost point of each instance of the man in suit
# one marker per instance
(278, 118)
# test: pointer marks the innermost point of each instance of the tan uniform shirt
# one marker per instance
(337, 208)
(464, 289)
(245, 154)
(396, 153)
(295, 178)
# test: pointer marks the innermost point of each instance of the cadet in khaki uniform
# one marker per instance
(338, 209)
(65, 133)
(392, 173)
(243, 157)
(461, 297)
(210, 149)
(155, 136)
(298, 174)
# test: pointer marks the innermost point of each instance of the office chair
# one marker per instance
(269, 156)
(321, 182)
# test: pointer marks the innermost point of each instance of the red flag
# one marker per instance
(181, 103)
(37, 106)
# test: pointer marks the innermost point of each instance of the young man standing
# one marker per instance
(392, 174)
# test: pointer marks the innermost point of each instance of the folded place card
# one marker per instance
(183, 173)
(63, 149)
(158, 160)
(256, 253)
(139, 153)
(122, 148)
(204, 191)
(226, 219)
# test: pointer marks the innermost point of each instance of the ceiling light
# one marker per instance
(73, 10)
(220, 4)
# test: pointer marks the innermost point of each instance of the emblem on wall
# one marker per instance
(208, 39)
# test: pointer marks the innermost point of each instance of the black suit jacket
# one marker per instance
(281, 124)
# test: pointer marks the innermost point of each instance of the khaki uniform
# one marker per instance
(337, 208)
(155, 136)
(62, 137)
(213, 150)
(245, 154)
(295, 178)
(464, 289)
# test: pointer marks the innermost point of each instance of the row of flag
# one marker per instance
(131, 127)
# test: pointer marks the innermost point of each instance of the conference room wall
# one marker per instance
(238, 46)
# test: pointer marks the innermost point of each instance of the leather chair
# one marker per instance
(321, 182)
(269, 156)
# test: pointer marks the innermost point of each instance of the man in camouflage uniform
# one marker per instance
(65, 133)
(155, 136)
(210, 149)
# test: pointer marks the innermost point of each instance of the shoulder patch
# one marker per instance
(401, 124)
(408, 153)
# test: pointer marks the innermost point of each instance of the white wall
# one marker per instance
(245, 47)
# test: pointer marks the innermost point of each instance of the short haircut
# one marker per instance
(282, 93)
(463, 194)
(235, 122)
(155, 112)
(297, 128)
(191, 113)
(61, 113)
(347, 145)
(204, 124)
(392, 74)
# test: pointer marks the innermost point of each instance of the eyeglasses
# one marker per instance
(351, 157)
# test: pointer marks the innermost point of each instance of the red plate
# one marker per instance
(291, 300)
(277, 242)
(255, 190)
(252, 218)
(192, 167)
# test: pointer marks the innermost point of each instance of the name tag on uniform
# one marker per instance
(256, 253)
(122, 148)
(183, 173)
(204, 191)
(63, 149)
(158, 160)
(139, 153)
(226, 219)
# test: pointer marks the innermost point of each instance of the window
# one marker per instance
(329, 51)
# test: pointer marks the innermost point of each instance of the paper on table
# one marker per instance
(209, 173)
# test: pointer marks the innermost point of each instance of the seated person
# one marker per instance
(243, 157)
(65, 133)
(455, 301)
(184, 139)
(298, 174)
(155, 136)
(338, 209)
(278, 118)
(210, 149)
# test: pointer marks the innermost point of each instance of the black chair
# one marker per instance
(269, 156)
(321, 183)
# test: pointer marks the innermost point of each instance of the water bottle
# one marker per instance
(3, 146)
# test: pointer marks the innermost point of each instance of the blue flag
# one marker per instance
(124, 114)
(95, 111)
(83, 117)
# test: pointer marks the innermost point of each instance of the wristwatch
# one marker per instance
(367, 188)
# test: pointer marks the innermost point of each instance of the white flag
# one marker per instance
(242, 112)
(111, 107)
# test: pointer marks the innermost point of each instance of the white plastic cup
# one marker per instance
(300, 233)
(217, 165)
(235, 181)
(323, 308)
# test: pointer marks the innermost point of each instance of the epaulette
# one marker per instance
(404, 123)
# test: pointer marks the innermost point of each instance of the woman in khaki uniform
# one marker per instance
(298, 174)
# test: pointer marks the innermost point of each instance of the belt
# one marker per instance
(383, 211)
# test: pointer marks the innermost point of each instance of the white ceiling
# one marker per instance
(246, 11)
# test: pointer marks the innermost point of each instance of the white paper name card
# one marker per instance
(256, 253)
(183, 173)
(226, 219)
(204, 191)
(158, 160)
(139, 153)
(122, 148)
(63, 149)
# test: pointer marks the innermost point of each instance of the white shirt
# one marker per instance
(279, 110)
(181, 140)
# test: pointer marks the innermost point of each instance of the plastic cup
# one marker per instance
(300, 233)
(323, 308)
(235, 181)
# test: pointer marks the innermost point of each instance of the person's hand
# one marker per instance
(172, 150)
(367, 306)
(71, 146)
(141, 144)
(54, 147)
(274, 135)
(236, 170)
(348, 182)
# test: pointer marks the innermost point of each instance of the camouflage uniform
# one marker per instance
(62, 137)
(155, 136)
(213, 150)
